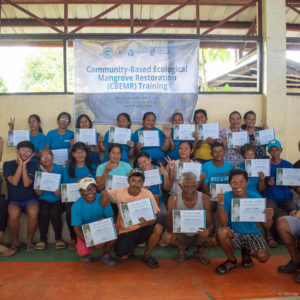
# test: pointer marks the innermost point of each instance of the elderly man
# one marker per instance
(132, 235)
(240, 235)
(190, 199)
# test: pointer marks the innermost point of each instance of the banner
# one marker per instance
(136, 76)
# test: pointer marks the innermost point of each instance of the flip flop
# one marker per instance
(40, 246)
(59, 245)
(4, 251)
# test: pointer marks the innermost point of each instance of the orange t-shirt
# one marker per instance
(120, 195)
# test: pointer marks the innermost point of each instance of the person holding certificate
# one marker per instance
(37, 138)
(277, 195)
(232, 155)
(244, 236)
(88, 209)
(144, 162)
(19, 175)
(123, 121)
(157, 153)
(142, 232)
(250, 120)
(190, 199)
(202, 150)
(256, 184)
(84, 122)
(50, 205)
(80, 166)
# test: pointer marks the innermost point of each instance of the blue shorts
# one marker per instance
(22, 205)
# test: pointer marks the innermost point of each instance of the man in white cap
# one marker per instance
(88, 209)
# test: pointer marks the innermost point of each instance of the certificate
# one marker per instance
(70, 192)
(188, 221)
(17, 136)
(115, 181)
(149, 138)
(184, 132)
(208, 131)
(132, 211)
(263, 137)
(248, 210)
(253, 166)
(288, 176)
(183, 167)
(99, 232)
(216, 187)
(87, 136)
(119, 135)
(44, 181)
(237, 139)
(152, 177)
(60, 156)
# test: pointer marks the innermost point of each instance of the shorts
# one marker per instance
(252, 242)
(126, 242)
(187, 240)
(23, 205)
(82, 248)
(162, 215)
(294, 224)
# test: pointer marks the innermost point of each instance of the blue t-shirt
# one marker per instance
(216, 174)
(122, 170)
(252, 181)
(154, 152)
(173, 154)
(47, 195)
(79, 173)
(56, 141)
(157, 189)
(19, 193)
(38, 141)
(84, 213)
(278, 192)
(125, 149)
(241, 227)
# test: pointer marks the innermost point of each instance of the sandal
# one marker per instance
(40, 246)
(60, 245)
(4, 251)
(151, 262)
(223, 268)
(271, 242)
(247, 261)
(202, 257)
(290, 267)
(179, 258)
(15, 245)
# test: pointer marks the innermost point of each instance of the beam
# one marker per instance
(66, 16)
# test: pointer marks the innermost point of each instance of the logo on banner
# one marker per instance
(152, 51)
(120, 52)
(130, 52)
(107, 51)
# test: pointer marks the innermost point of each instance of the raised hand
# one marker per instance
(130, 144)
(167, 131)
(11, 123)
(108, 166)
(100, 138)
(220, 198)
(261, 176)
(171, 163)
(271, 181)
(139, 146)
(163, 170)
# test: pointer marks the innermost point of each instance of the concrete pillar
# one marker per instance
(274, 45)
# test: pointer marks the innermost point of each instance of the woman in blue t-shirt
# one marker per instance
(80, 166)
(50, 206)
(124, 121)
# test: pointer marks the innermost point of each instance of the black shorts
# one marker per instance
(126, 242)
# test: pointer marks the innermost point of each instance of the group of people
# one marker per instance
(186, 191)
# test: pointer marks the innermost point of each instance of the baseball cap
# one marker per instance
(85, 182)
(136, 172)
(274, 143)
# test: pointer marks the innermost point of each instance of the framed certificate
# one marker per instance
(17, 136)
(216, 187)
(253, 166)
(248, 210)
(115, 181)
(152, 177)
(60, 156)
(44, 181)
(263, 137)
(288, 176)
(184, 132)
(211, 130)
(87, 136)
(188, 221)
(183, 167)
(149, 138)
(99, 232)
(119, 135)
(237, 139)
(132, 211)
(70, 192)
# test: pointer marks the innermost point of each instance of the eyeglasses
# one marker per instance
(46, 157)
(25, 150)
(64, 120)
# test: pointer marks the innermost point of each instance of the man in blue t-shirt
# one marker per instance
(240, 235)
(88, 209)
(277, 195)
(19, 175)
